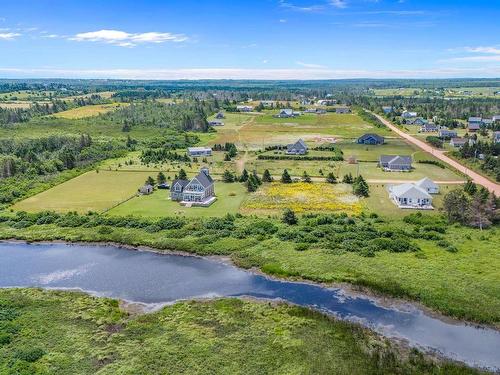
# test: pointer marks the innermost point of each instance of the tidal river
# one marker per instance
(157, 279)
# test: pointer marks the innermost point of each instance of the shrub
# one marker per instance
(29, 354)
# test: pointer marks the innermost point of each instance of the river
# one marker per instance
(157, 279)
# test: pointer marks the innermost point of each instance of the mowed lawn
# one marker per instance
(88, 111)
(90, 191)
(158, 204)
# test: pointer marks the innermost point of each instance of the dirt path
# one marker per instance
(474, 176)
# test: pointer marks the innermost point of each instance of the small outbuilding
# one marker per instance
(146, 189)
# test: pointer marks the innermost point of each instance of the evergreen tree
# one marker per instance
(228, 176)
(244, 176)
(289, 217)
(227, 157)
(285, 177)
(348, 179)
(182, 175)
(266, 177)
(455, 205)
(150, 181)
(306, 178)
(252, 184)
(331, 179)
(481, 211)
(161, 179)
(470, 187)
(360, 187)
(257, 179)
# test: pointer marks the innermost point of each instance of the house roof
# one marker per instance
(430, 126)
(409, 191)
(458, 140)
(195, 149)
(287, 111)
(183, 183)
(426, 183)
(401, 159)
(204, 179)
(475, 119)
(300, 144)
(377, 137)
(474, 126)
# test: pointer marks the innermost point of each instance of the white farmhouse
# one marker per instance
(410, 196)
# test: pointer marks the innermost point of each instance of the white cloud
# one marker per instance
(124, 39)
(50, 36)
(282, 20)
(296, 8)
(265, 74)
(480, 58)
(310, 66)
(475, 54)
(338, 3)
(491, 49)
(265, 61)
(9, 36)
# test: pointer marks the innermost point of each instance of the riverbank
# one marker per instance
(462, 284)
(85, 335)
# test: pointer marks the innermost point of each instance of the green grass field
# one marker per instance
(158, 204)
(392, 146)
(60, 332)
(90, 191)
(255, 131)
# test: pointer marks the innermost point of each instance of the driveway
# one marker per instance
(474, 176)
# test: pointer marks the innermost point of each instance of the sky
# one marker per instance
(263, 39)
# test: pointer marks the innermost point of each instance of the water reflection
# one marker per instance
(152, 278)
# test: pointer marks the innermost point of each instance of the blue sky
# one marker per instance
(266, 39)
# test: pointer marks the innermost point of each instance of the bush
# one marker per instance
(105, 230)
(29, 354)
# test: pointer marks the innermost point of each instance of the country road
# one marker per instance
(476, 177)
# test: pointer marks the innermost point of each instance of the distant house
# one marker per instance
(428, 185)
(199, 151)
(326, 102)
(146, 189)
(244, 108)
(458, 142)
(387, 109)
(496, 137)
(371, 139)
(199, 191)
(215, 123)
(410, 196)
(220, 116)
(287, 113)
(297, 148)
(429, 128)
(407, 114)
(474, 123)
(487, 121)
(447, 134)
(395, 163)
(268, 103)
(342, 110)
(496, 118)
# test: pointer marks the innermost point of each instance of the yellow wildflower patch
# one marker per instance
(303, 197)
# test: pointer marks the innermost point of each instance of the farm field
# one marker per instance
(302, 197)
(90, 191)
(15, 105)
(27, 95)
(88, 111)
(264, 129)
(158, 204)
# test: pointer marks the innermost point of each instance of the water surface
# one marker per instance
(157, 279)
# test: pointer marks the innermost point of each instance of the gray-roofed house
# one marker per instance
(387, 109)
(297, 148)
(200, 190)
(474, 123)
(428, 185)
(177, 188)
(370, 139)
(429, 128)
(215, 123)
(342, 110)
(487, 121)
(458, 142)
(393, 163)
(410, 196)
(447, 134)
(286, 113)
(199, 151)
(146, 189)
(219, 116)
(244, 108)
(407, 114)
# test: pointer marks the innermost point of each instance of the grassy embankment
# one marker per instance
(462, 281)
(55, 332)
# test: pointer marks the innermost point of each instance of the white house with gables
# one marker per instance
(410, 196)
(197, 192)
(428, 185)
